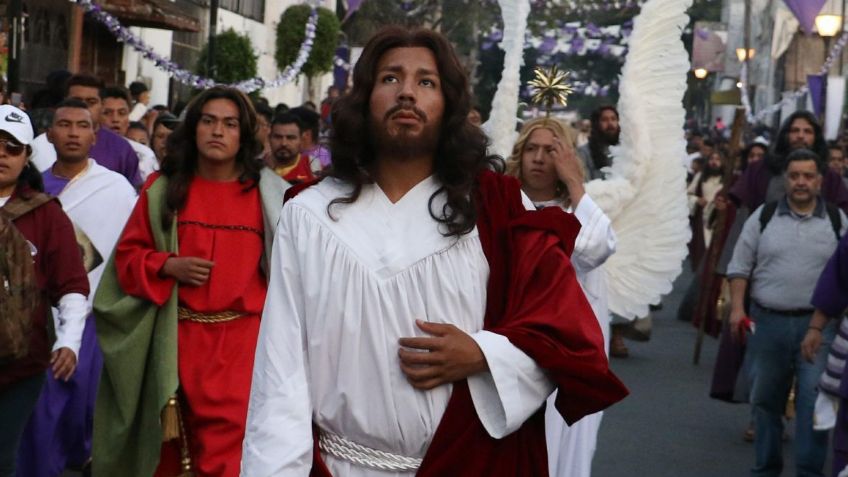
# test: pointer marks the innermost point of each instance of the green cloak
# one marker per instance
(139, 344)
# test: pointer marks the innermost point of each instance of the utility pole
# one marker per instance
(211, 67)
(15, 13)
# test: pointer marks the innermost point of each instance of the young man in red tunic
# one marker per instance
(217, 209)
(418, 315)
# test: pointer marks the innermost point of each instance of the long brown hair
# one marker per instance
(180, 162)
(461, 152)
(597, 139)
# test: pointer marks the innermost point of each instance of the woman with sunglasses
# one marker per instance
(551, 175)
(59, 273)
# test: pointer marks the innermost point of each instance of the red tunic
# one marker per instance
(59, 271)
(298, 173)
(221, 222)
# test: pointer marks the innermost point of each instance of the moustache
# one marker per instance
(408, 107)
(283, 150)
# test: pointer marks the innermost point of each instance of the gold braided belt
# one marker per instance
(217, 317)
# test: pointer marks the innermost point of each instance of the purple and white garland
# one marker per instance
(583, 6)
(185, 76)
(835, 52)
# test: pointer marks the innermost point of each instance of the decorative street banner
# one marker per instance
(709, 45)
(806, 11)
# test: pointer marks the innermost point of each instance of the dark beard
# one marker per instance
(611, 138)
(283, 161)
(402, 146)
(711, 172)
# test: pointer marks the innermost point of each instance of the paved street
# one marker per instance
(669, 426)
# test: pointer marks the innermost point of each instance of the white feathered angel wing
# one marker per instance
(645, 195)
(501, 124)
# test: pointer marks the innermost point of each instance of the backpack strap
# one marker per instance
(835, 219)
(19, 206)
(766, 215)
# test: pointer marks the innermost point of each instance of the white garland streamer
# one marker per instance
(185, 76)
(752, 118)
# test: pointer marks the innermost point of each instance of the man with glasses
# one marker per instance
(98, 202)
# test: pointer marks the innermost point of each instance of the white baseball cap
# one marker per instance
(17, 123)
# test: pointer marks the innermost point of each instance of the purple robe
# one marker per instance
(115, 153)
(831, 297)
(831, 294)
(750, 190)
(64, 412)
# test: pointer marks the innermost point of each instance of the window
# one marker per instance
(253, 9)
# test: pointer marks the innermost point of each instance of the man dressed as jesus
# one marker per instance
(417, 315)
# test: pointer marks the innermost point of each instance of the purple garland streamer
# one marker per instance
(185, 76)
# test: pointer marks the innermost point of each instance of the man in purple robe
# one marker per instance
(98, 202)
(831, 300)
(762, 181)
(110, 150)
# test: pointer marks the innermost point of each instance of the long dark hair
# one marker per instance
(180, 162)
(460, 154)
(597, 138)
(782, 148)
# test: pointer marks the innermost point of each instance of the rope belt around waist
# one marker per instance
(217, 317)
(341, 448)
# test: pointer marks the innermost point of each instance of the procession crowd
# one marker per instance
(359, 288)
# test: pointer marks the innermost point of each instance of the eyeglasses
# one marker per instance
(12, 148)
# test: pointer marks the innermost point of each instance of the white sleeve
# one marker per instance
(70, 322)
(278, 437)
(138, 111)
(513, 388)
(596, 240)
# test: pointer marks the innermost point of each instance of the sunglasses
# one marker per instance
(12, 148)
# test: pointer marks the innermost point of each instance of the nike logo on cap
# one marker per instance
(14, 118)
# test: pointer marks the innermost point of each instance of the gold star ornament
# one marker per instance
(550, 87)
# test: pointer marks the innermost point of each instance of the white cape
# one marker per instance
(98, 202)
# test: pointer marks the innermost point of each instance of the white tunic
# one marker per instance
(570, 449)
(341, 294)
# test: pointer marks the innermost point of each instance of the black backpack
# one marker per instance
(832, 213)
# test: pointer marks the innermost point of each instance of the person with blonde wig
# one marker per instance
(552, 175)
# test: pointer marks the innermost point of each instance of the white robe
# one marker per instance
(147, 162)
(710, 189)
(571, 448)
(341, 294)
(98, 202)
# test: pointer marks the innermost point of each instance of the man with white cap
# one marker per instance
(98, 202)
(48, 268)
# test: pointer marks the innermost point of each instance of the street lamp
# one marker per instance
(828, 24)
(700, 73)
(744, 54)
